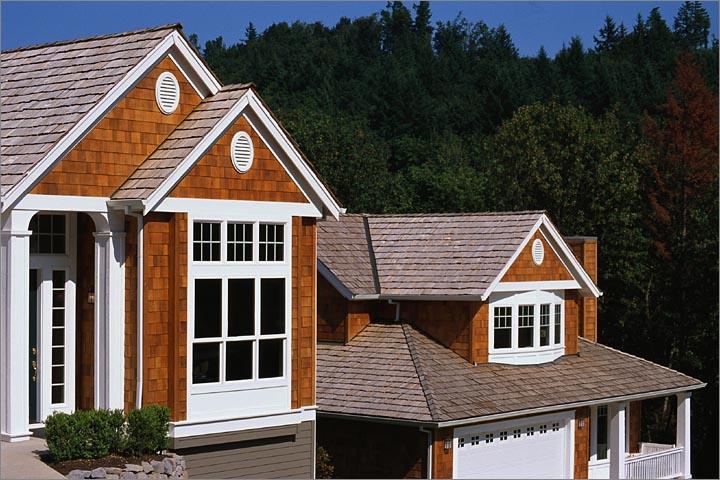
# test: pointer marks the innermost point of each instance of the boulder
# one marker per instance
(112, 476)
(131, 467)
(128, 476)
(98, 473)
(169, 465)
(113, 471)
(76, 475)
(141, 476)
(157, 466)
(147, 468)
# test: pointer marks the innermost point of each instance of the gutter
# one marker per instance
(429, 450)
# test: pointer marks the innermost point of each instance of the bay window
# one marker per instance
(526, 327)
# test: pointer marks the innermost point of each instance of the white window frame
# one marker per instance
(225, 270)
(536, 353)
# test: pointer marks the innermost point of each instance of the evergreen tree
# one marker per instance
(608, 36)
(692, 24)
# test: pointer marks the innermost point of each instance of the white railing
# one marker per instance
(667, 463)
(647, 447)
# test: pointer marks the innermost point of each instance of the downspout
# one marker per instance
(429, 433)
(397, 309)
(139, 314)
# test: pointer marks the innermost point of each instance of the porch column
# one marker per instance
(682, 430)
(14, 325)
(616, 412)
(110, 313)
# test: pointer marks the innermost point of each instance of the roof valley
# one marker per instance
(426, 388)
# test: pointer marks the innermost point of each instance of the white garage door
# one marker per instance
(531, 447)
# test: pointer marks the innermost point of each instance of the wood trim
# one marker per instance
(572, 312)
(177, 329)
(130, 312)
(582, 442)
(85, 311)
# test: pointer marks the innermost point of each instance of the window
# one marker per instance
(526, 319)
(475, 440)
(558, 323)
(503, 327)
(601, 432)
(224, 349)
(516, 433)
(488, 438)
(239, 242)
(544, 325)
(461, 442)
(543, 428)
(206, 241)
(556, 426)
(48, 234)
(271, 242)
(503, 436)
(530, 431)
(57, 393)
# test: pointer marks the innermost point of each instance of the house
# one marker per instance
(158, 247)
(466, 346)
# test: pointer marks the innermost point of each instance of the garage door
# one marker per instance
(532, 447)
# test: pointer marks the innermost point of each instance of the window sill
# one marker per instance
(527, 356)
(238, 385)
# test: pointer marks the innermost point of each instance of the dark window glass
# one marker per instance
(58, 375)
(602, 443)
(45, 223)
(58, 224)
(58, 394)
(239, 358)
(208, 308)
(58, 278)
(206, 362)
(503, 337)
(206, 242)
(271, 358)
(48, 234)
(241, 307)
(239, 242)
(271, 242)
(526, 321)
(544, 325)
(44, 244)
(272, 306)
(558, 326)
(58, 336)
(58, 356)
(58, 318)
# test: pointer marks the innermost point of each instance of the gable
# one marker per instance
(121, 141)
(524, 269)
(214, 177)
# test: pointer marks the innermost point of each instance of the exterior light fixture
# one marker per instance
(447, 444)
(91, 295)
(581, 423)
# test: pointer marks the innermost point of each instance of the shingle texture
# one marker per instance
(168, 156)
(345, 251)
(365, 377)
(452, 254)
(47, 89)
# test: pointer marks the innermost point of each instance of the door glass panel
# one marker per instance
(58, 337)
(33, 297)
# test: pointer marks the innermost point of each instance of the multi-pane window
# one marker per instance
(272, 242)
(461, 442)
(48, 234)
(558, 323)
(543, 428)
(503, 327)
(516, 433)
(239, 242)
(544, 325)
(503, 436)
(206, 241)
(530, 431)
(526, 322)
(243, 340)
(488, 438)
(555, 426)
(57, 356)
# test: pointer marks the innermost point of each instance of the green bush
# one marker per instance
(84, 434)
(147, 429)
(98, 433)
(323, 464)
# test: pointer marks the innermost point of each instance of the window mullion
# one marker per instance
(256, 341)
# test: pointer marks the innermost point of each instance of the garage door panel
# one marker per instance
(534, 447)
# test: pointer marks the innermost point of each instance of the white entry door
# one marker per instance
(52, 316)
(531, 447)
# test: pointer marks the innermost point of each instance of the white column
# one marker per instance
(682, 430)
(14, 325)
(616, 412)
(110, 315)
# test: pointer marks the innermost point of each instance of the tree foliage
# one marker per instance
(400, 114)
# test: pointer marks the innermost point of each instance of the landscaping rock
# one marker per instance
(157, 476)
(147, 468)
(113, 471)
(157, 466)
(87, 473)
(169, 466)
(98, 473)
(76, 475)
(128, 476)
(131, 467)
(112, 476)
(141, 476)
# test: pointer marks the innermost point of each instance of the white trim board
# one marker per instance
(240, 209)
(63, 203)
(205, 81)
(527, 286)
(189, 428)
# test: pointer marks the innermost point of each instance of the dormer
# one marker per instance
(493, 287)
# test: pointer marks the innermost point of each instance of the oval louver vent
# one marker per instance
(538, 251)
(241, 151)
(167, 92)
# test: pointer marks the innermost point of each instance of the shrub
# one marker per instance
(323, 464)
(148, 429)
(84, 434)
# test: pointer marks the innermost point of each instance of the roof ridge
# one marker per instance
(424, 384)
(177, 26)
(458, 214)
(638, 358)
(237, 86)
(371, 255)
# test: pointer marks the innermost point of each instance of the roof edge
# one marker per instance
(169, 26)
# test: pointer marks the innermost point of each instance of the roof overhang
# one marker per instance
(175, 45)
(511, 414)
(562, 250)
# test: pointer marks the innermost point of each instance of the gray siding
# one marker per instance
(278, 452)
